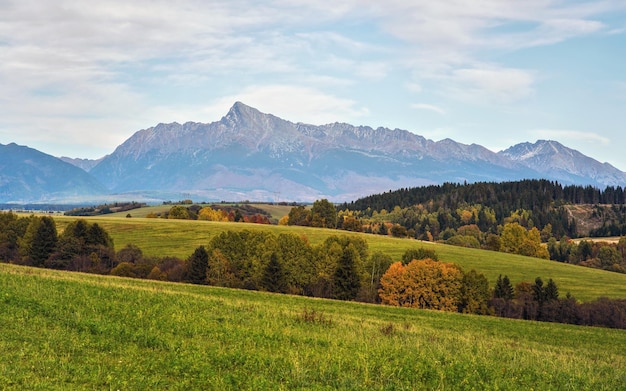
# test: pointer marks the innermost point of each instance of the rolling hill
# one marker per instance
(61, 330)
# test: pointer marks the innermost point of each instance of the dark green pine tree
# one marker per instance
(44, 241)
(551, 291)
(97, 236)
(197, 265)
(503, 289)
(539, 292)
(274, 279)
(78, 229)
(346, 282)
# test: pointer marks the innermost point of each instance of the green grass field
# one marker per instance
(161, 237)
(66, 331)
(276, 211)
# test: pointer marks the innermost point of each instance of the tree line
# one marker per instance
(235, 213)
(468, 225)
(541, 302)
(529, 194)
(542, 202)
(341, 268)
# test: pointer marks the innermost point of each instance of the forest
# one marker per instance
(545, 231)
(341, 267)
(515, 217)
(537, 202)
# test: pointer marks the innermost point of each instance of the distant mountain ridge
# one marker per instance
(27, 175)
(251, 155)
(554, 160)
(84, 164)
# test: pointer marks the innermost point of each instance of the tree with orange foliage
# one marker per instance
(424, 283)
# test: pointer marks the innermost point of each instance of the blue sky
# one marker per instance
(80, 77)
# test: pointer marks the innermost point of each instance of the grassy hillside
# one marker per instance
(62, 330)
(160, 237)
(276, 211)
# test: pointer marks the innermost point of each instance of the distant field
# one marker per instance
(276, 211)
(612, 239)
(62, 330)
(161, 237)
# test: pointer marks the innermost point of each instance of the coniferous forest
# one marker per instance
(532, 203)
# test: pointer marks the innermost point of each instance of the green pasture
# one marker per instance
(72, 331)
(276, 211)
(142, 212)
(162, 237)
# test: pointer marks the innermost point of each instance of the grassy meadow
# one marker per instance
(162, 237)
(65, 331)
(275, 210)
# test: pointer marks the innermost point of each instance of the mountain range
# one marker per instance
(27, 175)
(249, 155)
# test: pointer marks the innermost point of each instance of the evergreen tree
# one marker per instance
(503, 289)
(539, 294)
(39, 241)
(551, 291)
(346, 281)
(197, 266)
(274, 279)
(97, 236)
(77, 229)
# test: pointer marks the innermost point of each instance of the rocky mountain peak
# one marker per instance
(253, 155)
(555, 160)
(240, 113)
(543, 150)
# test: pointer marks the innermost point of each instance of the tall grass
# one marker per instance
(74, 331)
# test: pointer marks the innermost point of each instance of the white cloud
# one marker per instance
(617, 31)
(299, 104)
(73, 68)
(446, 39)
(574, 135)
(489, 84)
(428, 107)
(294, 103)
(455, 23)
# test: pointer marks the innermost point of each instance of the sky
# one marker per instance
(78, 78)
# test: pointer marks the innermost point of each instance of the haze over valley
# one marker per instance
(249, 155)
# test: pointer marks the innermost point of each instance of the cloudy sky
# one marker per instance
(77, 78)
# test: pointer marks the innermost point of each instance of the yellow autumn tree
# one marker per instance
(424, 283)
(517, 240)
(393, 286)
(210, 214)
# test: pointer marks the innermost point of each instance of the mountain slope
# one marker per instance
(84, 164)
(256, 156)
(251, 154)
(32, 176)
(554, 160)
